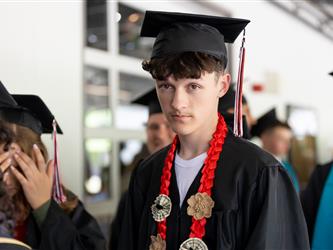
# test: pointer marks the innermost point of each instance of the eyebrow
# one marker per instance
(165, 82)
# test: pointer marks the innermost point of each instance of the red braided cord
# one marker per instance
(208, 173)
(166, 173)
(207, 179)
(165, 182)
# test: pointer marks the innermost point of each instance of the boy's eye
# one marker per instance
(164, 86)
(194, 86)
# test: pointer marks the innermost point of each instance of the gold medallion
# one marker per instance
(157, 243)
(200, 206)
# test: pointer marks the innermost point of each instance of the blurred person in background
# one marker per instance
(276, 137)
(318, 206)
(158, 132)
(159, 135)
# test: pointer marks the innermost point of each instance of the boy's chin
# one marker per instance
(182, 129)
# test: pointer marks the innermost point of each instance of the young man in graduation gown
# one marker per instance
(276, 137)
(208, 189)
(318, 207)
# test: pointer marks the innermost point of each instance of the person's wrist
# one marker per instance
(40, 203)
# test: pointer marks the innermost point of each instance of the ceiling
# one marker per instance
(317, 14)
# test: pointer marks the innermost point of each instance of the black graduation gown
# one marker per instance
(116, 223)
(60, 231)
(256, 206)
(311, 196)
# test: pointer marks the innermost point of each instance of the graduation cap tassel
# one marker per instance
(57, 191)
(238, 121)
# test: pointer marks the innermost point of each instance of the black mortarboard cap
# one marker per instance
(6, 100)
(182, 32)
(150, 100)
(267, 121)
(26, 110)
(228, 100)
(331, 73)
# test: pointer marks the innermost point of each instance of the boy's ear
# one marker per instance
(224, 84)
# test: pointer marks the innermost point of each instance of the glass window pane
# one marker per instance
(131, 116)
(130, 42)
(130, 154)
(96, 24)
(97, 112)
(97, 169)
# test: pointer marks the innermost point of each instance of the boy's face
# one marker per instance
(190, 105)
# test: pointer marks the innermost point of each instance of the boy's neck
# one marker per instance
(196, 143)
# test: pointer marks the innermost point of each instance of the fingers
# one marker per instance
(26, 159)
(23, 181)
(39, 158)
(33, 157)
(50, 169)
(27, 169)
(5, 164)
(3, 157)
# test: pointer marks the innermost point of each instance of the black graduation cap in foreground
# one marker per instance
(182, 32)
(331, 73)
(150, 100)
(26, 110)
(267, 121)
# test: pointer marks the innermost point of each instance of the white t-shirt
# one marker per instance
(186, 171)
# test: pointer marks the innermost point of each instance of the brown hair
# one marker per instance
(7, 209)
(6, 136)
(26, 138)
(277, 124)
(183, 65)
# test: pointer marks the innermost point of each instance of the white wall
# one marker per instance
(40, 52)
(298, 56)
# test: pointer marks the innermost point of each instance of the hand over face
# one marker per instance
(6, 160)
(36, 178)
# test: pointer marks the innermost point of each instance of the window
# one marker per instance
(97, 169)
(131, 116)
(130, 42)
(97, 112)
(96, 22)
(130, 153)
